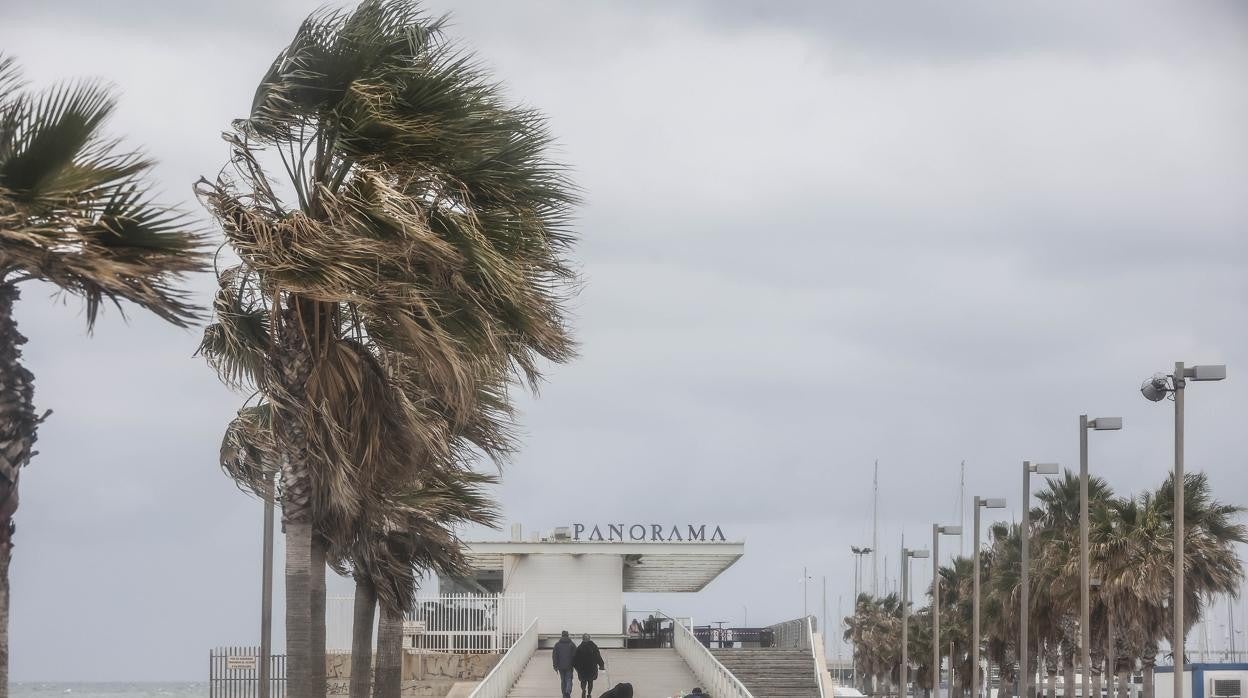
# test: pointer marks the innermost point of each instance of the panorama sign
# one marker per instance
(647, 532)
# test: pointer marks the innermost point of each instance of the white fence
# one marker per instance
(498, 683)
(473, 623)
(716, 680)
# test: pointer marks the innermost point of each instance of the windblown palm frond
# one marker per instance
(401, 266)
(73, 211)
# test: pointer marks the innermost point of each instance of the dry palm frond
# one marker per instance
(406, 264)
(73, 211)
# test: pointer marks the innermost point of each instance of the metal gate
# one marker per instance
(234, 672)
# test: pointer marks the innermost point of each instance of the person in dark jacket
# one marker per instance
(621, 690)
(697, 693)
(588, 661)
(562, 656)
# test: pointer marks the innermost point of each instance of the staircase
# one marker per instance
(653, 673)
(772, 673)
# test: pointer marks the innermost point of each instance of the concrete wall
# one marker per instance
(577, 593)
(425, 675)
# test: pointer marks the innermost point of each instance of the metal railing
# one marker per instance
(234, 672)
(716, 680)
(461, 623)
(498, 683)
(815, 640)
(793, 634)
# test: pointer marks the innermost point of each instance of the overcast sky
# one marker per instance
(814, 234)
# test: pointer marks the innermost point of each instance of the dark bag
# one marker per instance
(621, 690)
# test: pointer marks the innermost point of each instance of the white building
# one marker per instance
(577, 581)
(1205, 680)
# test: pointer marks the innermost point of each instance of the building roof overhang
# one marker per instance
(651, 567)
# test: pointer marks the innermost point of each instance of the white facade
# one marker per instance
(1205, 680)
(577, 593)
(579, 585)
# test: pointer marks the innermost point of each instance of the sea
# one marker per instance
(120, 689)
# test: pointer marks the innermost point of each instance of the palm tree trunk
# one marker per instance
(317, 604)
(362, 638)
(388, 681)
(1068, 675)
(18, 427)
(1148, 662)
(305, 557)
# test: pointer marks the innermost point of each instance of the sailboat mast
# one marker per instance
(875, 530)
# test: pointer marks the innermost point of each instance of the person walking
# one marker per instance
(588, 661)
(562, 656)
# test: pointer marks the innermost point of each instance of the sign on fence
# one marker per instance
(236, 662)
(414, 627)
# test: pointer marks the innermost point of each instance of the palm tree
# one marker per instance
(75, 213)
(1056, 597)
(414, 247)
(1000, 588)
(1133, 545)
(412, 534)
(956, 587)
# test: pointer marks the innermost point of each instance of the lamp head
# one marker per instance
(1106, 423)
(951, 530)
(1155, 389)
(995, 503)
(917, 553)
(1044, 468)
(1208, 372)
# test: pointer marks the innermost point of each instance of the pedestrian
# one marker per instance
(696, 693)
(634, 628)
(588, 661)
(621, 690)
(562, 656)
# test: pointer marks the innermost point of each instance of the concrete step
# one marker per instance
(772, 673)
(652, 672)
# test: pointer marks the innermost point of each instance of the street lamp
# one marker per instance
(937, 529)
(980, 503)
(1023, 603)
(1085, 614)
(858, 554)
(906, 554)
(1156, 389)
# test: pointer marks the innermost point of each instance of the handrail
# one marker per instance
(716, 679)
(498, 683)
(817, 653)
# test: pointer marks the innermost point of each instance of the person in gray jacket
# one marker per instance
(562, 656)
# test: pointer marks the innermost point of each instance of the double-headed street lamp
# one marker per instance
(937, 529)
(906, 554)
(858, 555)
(1156, 389)
(1085, 615)
(980, 503)
(1029, 468)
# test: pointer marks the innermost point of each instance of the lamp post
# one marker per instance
(858, 554)
(906, 554)
(1024, 609)
(937, 529)
(1085, 614)
(1156, 389)
(980, 503)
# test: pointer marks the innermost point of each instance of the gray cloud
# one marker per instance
(815, 235)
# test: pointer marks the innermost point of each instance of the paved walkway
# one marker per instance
(653, 673)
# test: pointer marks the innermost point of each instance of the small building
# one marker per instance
(1205, 680)
(575, 580)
